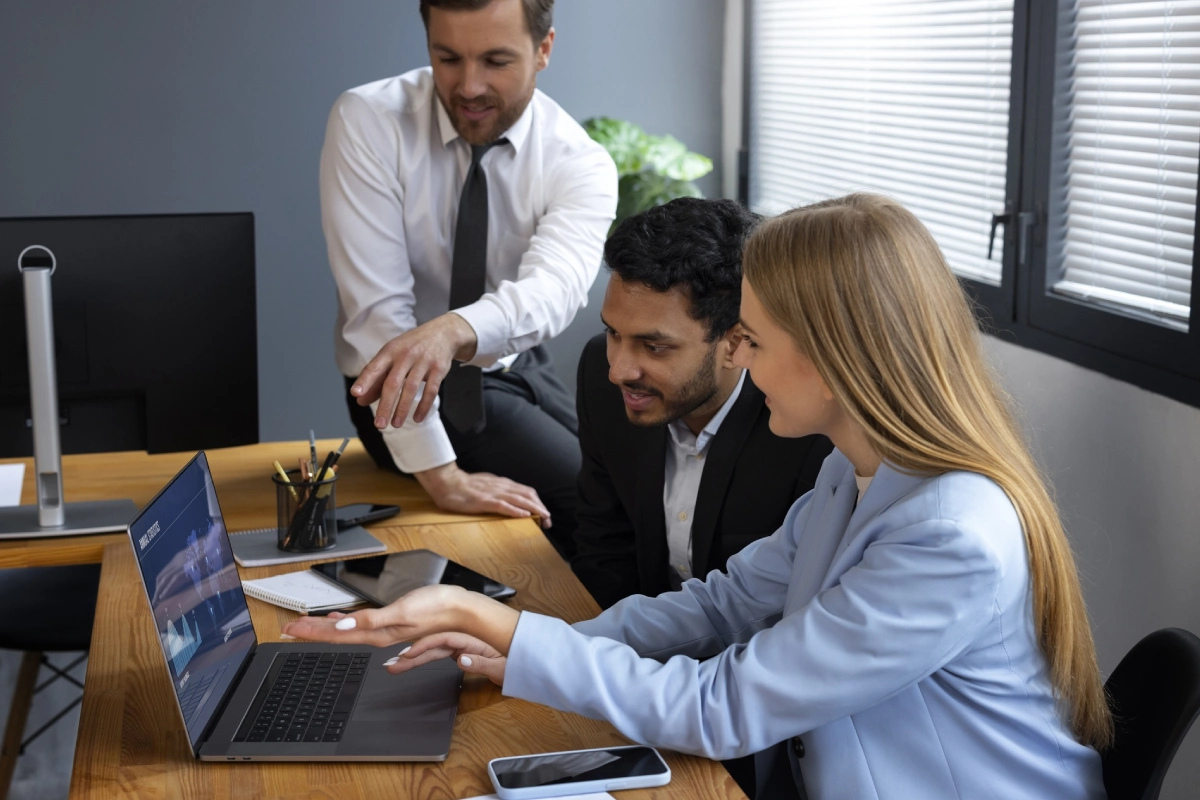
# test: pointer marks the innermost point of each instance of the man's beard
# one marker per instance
(475, 133)
(699, 389)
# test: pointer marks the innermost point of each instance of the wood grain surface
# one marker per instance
(243, 479)
(132, 743)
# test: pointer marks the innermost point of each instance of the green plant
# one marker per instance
(652, 169)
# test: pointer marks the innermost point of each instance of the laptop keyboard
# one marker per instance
(307, 697)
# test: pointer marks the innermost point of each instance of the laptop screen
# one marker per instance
(200, 612)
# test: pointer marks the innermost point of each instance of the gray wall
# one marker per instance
(140, 106)
(1124, 464)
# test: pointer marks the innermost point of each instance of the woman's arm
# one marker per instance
(704, 617)
(919, 597)
(420, 613)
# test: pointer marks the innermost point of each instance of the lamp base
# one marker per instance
(80, 519)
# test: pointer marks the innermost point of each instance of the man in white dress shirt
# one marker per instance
(465, 213)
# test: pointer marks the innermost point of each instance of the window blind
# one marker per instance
(1126, 153)
(908, 99)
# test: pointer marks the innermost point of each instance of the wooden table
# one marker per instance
(131, 742)
(243, 479)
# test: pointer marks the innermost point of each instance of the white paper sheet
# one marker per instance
(12, 476)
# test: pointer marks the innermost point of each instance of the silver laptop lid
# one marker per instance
(187, 569)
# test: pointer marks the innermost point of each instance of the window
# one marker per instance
(1069, 128)
(1126, 145)
(907, 99)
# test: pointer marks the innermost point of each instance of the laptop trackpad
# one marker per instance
(423, 695)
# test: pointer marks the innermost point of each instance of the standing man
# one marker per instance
(680, 469)
(465, 212)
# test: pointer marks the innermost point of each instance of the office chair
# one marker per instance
(1154, 694)
(44, 609)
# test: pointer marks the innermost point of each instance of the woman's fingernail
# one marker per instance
(286, 636)
(405, 650)
(391, 661)
(346, 624)
(465, 661)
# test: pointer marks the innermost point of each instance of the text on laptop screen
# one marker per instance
(200, 612)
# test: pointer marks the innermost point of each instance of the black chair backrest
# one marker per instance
(1154, 694)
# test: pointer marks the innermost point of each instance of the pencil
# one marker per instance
(283, 474)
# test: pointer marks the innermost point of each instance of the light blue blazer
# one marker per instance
(896, 638)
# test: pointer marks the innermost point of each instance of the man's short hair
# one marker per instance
(539, 14)
(692, 244)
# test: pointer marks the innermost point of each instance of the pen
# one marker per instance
(332, 459)
(312, 450)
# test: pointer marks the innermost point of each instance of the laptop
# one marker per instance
(245, 701)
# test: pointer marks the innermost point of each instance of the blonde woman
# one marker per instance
(914, 630)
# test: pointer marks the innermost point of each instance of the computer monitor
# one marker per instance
(155, 332)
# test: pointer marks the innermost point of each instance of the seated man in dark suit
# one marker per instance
(680, 470)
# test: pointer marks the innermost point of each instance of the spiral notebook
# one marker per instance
(302, 591)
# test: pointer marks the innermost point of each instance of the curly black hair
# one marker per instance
(692, 244)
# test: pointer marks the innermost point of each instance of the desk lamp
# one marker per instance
(51, 516)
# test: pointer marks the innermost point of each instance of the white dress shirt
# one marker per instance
(392, 170)
(683, 469)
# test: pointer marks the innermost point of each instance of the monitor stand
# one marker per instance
(51, 516)
(97, 516)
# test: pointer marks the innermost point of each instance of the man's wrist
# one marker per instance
(463, 337)
(435, 479)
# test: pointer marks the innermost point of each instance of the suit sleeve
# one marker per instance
(919, 597)
(606, 552)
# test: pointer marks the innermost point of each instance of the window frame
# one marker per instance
(1021, 310)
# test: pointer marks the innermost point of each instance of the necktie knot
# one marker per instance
(478, 150)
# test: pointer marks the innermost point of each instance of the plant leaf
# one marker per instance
(670, 156)
(624, 141)
(652, 169)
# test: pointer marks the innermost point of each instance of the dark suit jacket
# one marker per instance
(751, 477)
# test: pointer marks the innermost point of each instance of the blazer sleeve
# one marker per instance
(704, 617)
(605, 560)
(917, 598)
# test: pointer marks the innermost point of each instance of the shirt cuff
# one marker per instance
(487, 319)
(418, 446)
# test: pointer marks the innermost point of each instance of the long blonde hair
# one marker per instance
(864, 291)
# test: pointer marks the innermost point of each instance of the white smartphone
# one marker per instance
(578, 772)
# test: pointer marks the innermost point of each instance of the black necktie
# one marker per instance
(462, 389)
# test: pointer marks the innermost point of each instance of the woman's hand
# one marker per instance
(429, 609)
(420, 613)
(472, 655)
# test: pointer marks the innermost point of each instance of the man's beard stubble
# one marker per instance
(506, 117)
(699, 389)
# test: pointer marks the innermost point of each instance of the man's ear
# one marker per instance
(727, 345)
(542, 57)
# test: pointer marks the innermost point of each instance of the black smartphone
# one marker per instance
(382, 579)
(362, 513)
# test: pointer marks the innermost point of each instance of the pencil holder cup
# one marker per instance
(307, 512)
